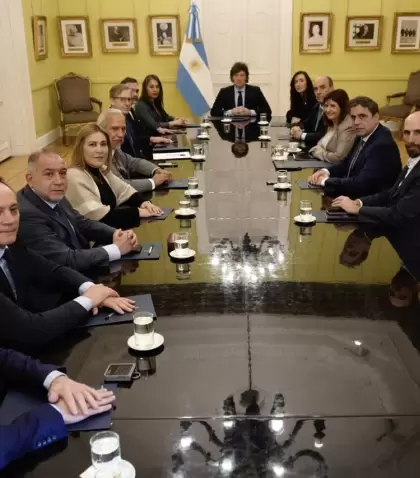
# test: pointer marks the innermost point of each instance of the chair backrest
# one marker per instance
(73, 93)
(412, 95)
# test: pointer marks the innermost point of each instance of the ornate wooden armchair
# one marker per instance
(411, 101)
(75, 102)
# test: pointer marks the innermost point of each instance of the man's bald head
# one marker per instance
(9, 215)
(322, 86)
(411, 134)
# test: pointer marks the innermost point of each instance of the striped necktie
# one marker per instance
(4, 265)
(356, 154)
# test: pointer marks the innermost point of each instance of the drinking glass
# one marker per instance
(203, 132)
(282, 176)
(305, 209)
(226, 116)
(263, 117)
(181, 244)
(264, 130)
(277, 151)
(144, 328)
(192, 184)
(184, 204)
(198, 150)
(293, 146)
(106, 454)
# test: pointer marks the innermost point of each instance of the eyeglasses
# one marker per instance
(127, 100)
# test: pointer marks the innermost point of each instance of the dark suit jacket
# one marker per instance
(254, 100)
(396, 209)
(313, 131)
(51, 235)
(33, 430)
(300, 109)
(376, 168)
(34, 319)
(150, 119)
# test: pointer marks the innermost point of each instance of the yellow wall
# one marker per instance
(375, 74)
(104, 69)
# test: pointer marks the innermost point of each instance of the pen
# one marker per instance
(109, 316)
(150, 250)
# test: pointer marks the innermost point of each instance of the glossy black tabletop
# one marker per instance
(288, 351)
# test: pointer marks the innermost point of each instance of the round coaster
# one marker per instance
(198, 157)
(185, 212)
(183, 254)
(263, 123)
(193, 192)
(227, 120)
(299, 150)
(298, 220)
(281, 186)
(264, 138)
(158, 342)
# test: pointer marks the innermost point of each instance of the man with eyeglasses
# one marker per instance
(123, 97)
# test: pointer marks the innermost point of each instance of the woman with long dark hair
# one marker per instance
(150, 110)
(302, 97)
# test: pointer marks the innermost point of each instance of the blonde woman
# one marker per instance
(95, 191)
(340, 136)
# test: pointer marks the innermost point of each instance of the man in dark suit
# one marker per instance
(32, 289)
(52, 228)
(140, 173)
(396, 210)
(313, 128)
(240, 99)
(372, 165)
(69, 402)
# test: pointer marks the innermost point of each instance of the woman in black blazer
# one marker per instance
(302, 97)
(150, 111)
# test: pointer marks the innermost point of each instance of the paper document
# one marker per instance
(177, 155)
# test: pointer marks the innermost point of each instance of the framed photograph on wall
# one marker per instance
(74, 36)
(39, 30)
(315, 32)
(406, 36)
(164, 34)
(119, 35)
(363, 33)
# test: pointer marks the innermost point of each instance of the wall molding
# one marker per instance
(378, 78)
(48, 138)
(42, 87)
(115, 81)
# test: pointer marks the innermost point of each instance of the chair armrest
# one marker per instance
(395, 95)
(98, 102)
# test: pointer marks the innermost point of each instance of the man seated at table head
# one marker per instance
(313, 128)
(122, 98)
(240, 99)
(397, 209)
(67, 402)
(32, 289)
(52, 228)
(373, 163)
(124, 165)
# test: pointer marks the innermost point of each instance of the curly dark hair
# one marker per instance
(237, 68)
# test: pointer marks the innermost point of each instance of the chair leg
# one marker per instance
(65, 137)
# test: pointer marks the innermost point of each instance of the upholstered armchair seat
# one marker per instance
(75, 102)
(396, 111)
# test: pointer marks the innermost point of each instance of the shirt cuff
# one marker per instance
(51, 377)
(85, 286)
(153, 184)
(360, 202)
(326, 171)
(253, 113)
(85, 302)
(113, 252)
(323, 182)
(229, 112)
(303, 136)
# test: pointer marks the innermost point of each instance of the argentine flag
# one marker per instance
(194, 79)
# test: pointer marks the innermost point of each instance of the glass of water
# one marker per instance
(192, 184)
(226, 116)
(277, 151)
(282, 177)
(184, 204)
(263, 117)
(264, 131)
(181, 244)
(144, 328)
(106, 454)
(203, 132)
(305, 210)
(198, 150)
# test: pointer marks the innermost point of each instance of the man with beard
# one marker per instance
(398, 208)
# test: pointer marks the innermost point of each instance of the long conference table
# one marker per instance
(296, 361)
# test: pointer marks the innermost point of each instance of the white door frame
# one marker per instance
(16, 81)
(285, 48)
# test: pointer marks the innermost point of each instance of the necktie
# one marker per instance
(240, 99)
(356, 154)
(73, 235)
(5, 261)
(318, 119)
(240, 134)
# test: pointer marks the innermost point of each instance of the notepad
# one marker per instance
(143, 253)
(303, 184)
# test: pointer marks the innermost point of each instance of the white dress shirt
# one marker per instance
(112, 250)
